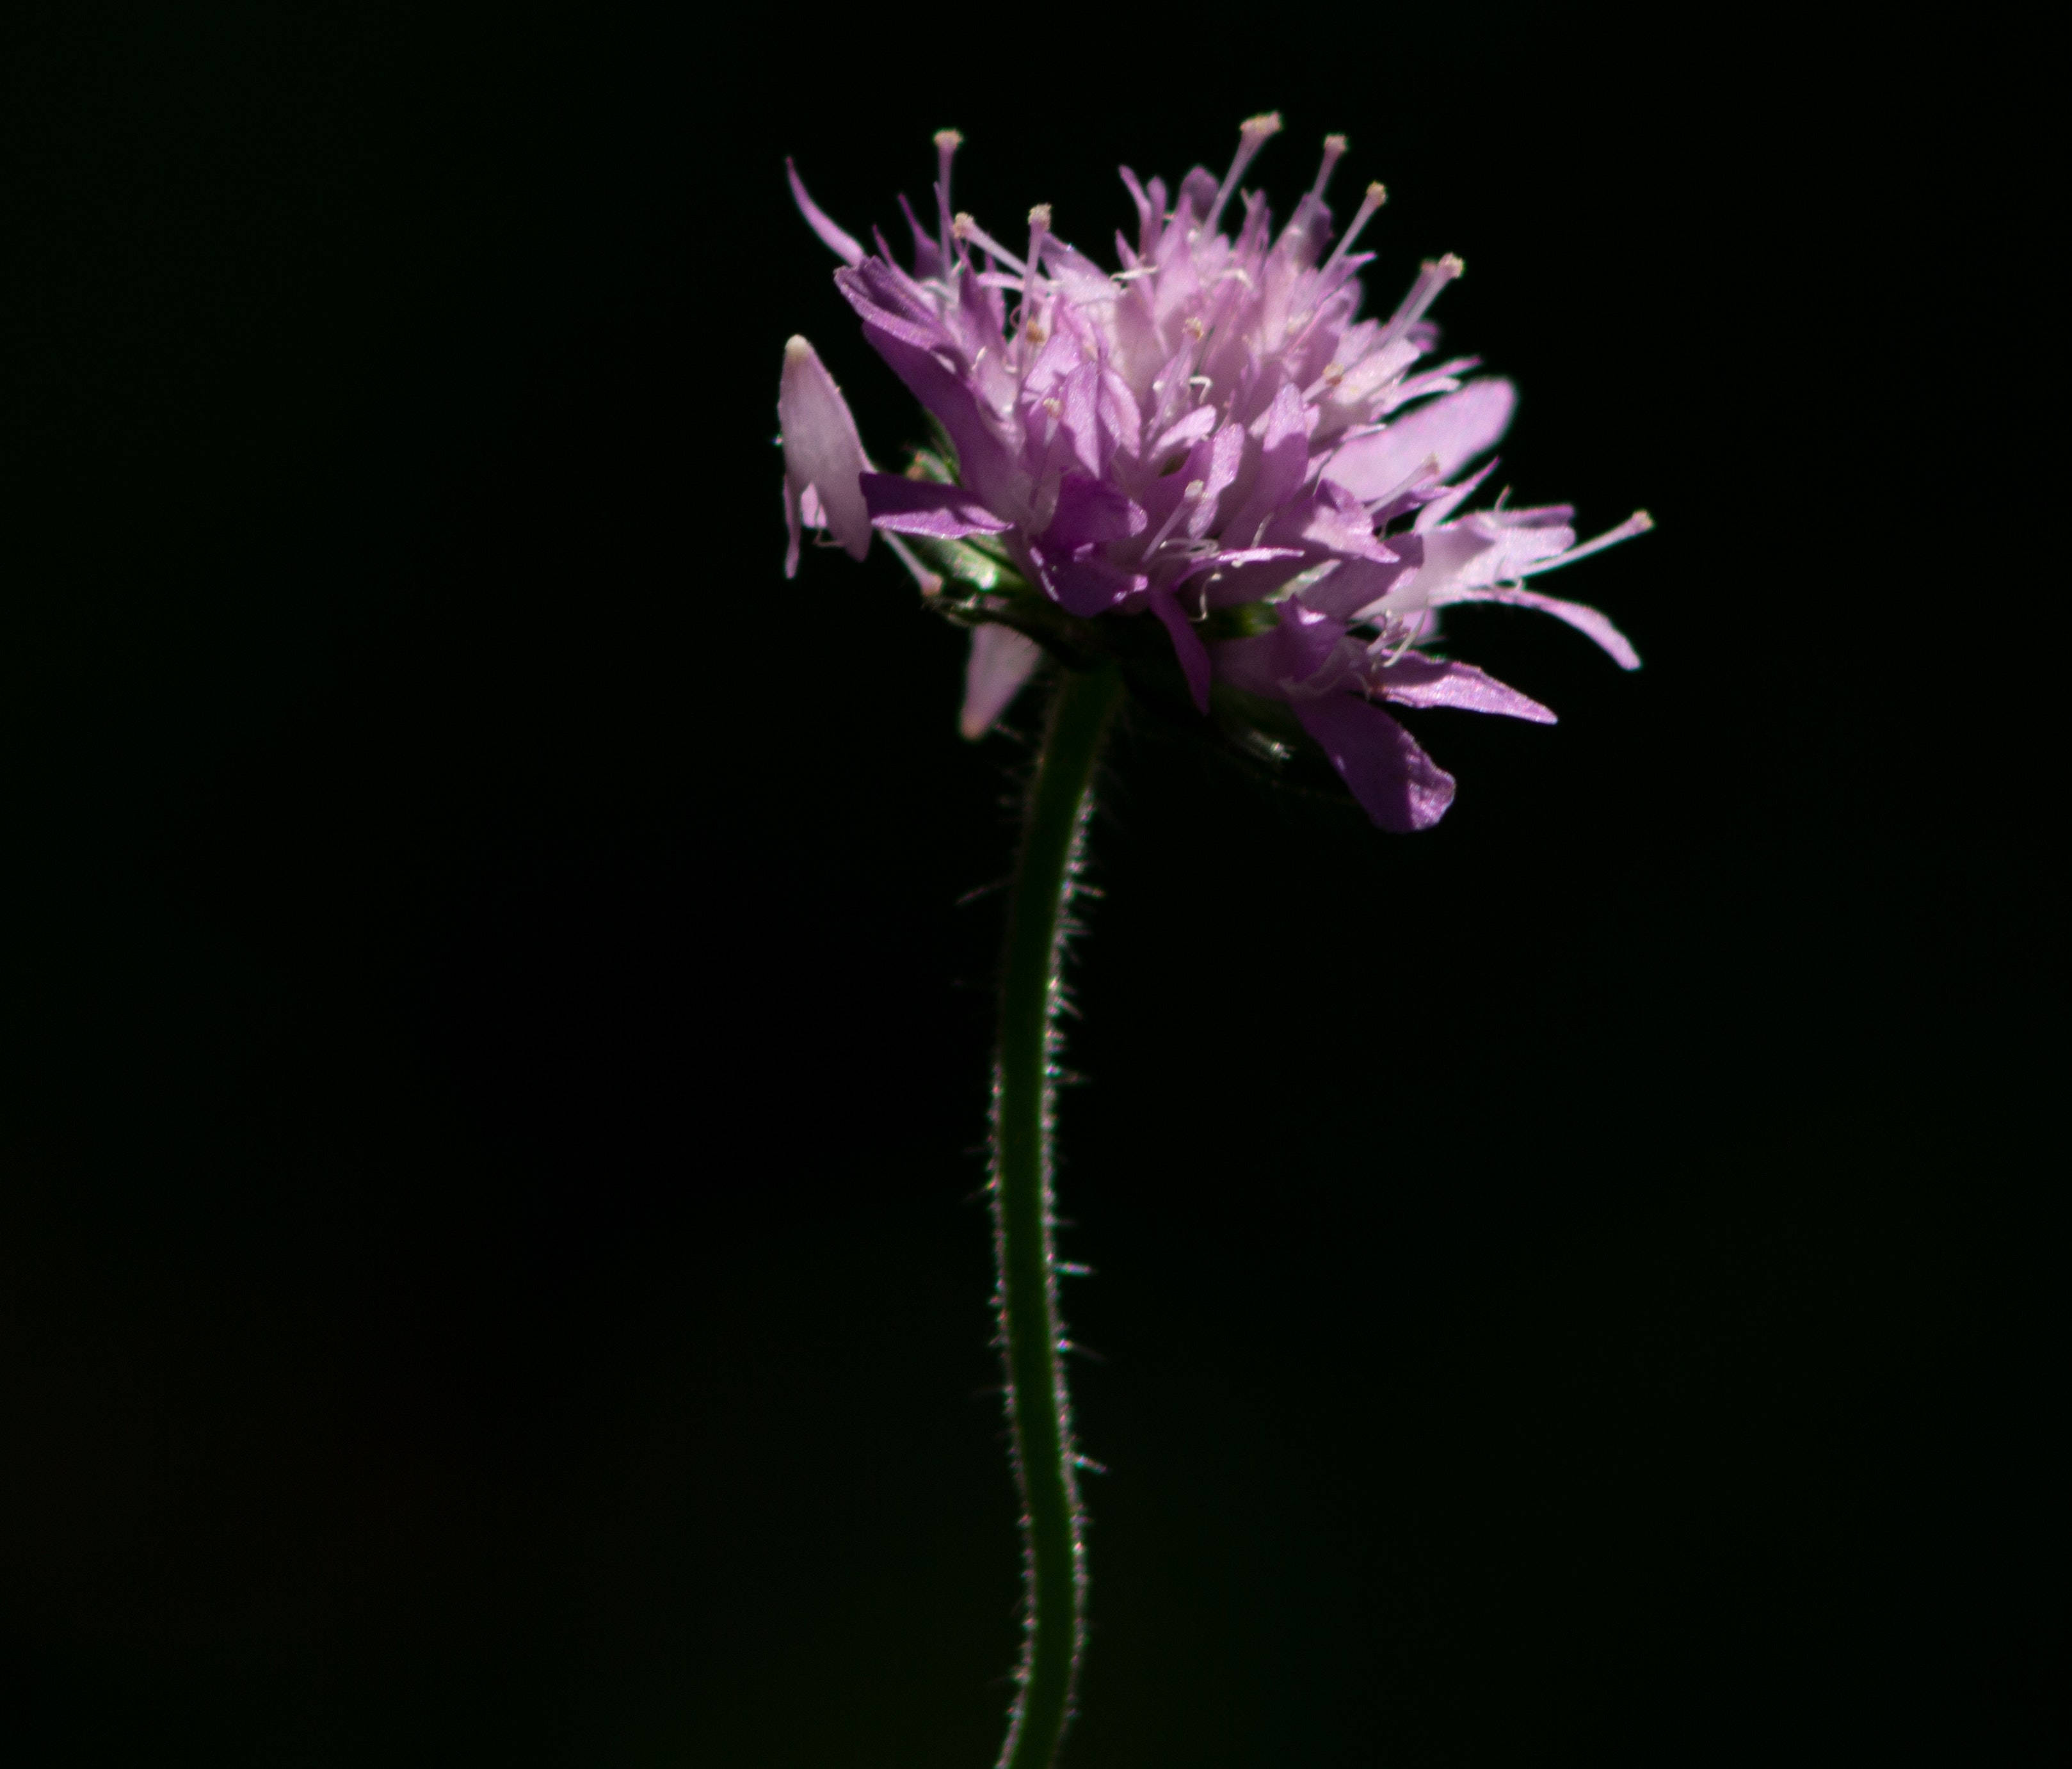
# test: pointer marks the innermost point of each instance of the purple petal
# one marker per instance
(1584, 620)
(1189, 430)
(921, 507)
(928, 255)
(1329, 519)
(1001, 660)
(1187, 645)
(1455, 427)
(1359, 583)
(1424, 681)
(1284, 462)
(1397, 785)
(1086, 587)
(1251, 574)
(832, 237)
(1226, 455)
(791, 527)
(822, 448)
(1297, 651)
(1198, 191)
(1090, 510)
(987, 468)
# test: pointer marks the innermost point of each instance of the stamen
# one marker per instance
(947, 141)
(965, 228)
(1638, 523)
(1039, 227)
(1376, 195)
(1252, 136)
(1431, 279)
(1335, 148)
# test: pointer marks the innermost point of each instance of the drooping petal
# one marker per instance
(1453, 428)
(1424, 681)
(1187, 646)
(1585, 620)
(1397, 785)
(922, 506)
(822, 448)
(1001, 660)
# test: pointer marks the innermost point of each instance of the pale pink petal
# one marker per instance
(1001, 660)
(1453, 428)
(822, 448)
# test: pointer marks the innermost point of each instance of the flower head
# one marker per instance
(1211, 436)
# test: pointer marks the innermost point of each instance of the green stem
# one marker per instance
(1038, 1408)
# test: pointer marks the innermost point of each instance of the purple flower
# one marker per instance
(1208, 436)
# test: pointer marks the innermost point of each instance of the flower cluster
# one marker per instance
(1210, 436)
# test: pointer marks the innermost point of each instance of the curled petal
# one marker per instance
(822, 452)
(1585, 620)
(1001, 660)
(832, 237)
(1397, 785)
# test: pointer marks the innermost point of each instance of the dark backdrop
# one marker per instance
(497, 1012)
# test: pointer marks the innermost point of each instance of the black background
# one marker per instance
(491, 1244)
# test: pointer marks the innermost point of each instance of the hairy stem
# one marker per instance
(1038, 1408)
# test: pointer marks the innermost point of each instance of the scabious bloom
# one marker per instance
(1208, 436)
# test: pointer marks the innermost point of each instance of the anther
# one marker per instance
(964, 227)
(1252, 136)
(1039, 230)
(1376, 195)
(1423, 293)
(1335, 148)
